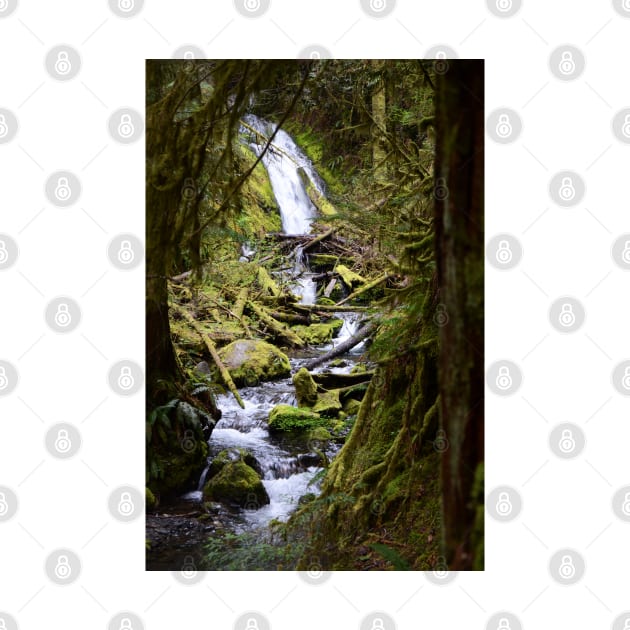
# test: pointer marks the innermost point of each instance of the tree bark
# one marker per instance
(459, 179)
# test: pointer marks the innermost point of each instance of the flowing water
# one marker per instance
(287, 463)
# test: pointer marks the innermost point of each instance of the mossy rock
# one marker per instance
(325, 301)
(288, 418)
(180, 469)
(359, 368)
(351, 406)
(328, 404)
(249, 361)
(236, 484)
(150, 501)
(230, 455)
(319, 434)
(318, 334)
(305, 388)
(349, 277)
(338, 362)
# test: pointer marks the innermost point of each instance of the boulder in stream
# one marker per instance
(305, 388)
(288, 418)
(237, 484)
(318, 334)
(328, 404)
(249, 362)
(230, 455)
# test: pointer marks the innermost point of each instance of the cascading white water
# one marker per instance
(283, 161)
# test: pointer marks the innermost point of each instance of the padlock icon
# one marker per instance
(126, 5)
(63, 443)
(125, 624)
(378, 5)
(567, 189)
(504, 126)
(4, 506)
(626, 5)
(567, 316)
(504, 253)
(567, 64)
(188, 442)
(4, 129)
(567, 568)
(625, 381)
(504, 380)
(625, 254)
(625, 506)
(125, 505)
(503, 624)
(4, 254)
(62, 316)
(315, 54)
(625, 128)
(440, 54)
(63, 192)
(377, 623)
(63, 570)
(504, 505)
(252, 5)
(62, 64)
(189, 54)
(189, 570)
(3, 625)
(315, 570)
(504, 5)
(125, 126)
(125, 253)
(252, 624)
(4, 381)
(567, 441)
(125, 378)
(626, 623)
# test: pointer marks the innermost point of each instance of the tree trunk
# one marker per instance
(459, 179)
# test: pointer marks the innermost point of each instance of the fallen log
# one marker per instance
(318, 239)
(282, 331)
(267, 283)
(178, 279)
(328, 380)
(329, 287)
(212, 349)
(343, 347)
(364, 288)
(291, 318)
(331, 308)
(239, 304)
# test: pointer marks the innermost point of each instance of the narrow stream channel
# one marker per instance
(288, 463)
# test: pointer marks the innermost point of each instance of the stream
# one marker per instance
(287, 463)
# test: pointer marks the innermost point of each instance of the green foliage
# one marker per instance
(392, 556)
(252, 552)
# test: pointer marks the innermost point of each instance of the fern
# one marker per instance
(392, 556)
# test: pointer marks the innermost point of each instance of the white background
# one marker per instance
(63, 378)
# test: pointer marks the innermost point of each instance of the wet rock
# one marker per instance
(288, 418)
(231, 455)
(305, 388)
(237, 484)
(318, 334)
(328, 404)
(351, 406)
(250, 362)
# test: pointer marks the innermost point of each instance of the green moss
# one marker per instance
(250, 362)
(305, 388)
(228, 456)
(236, 483)
(288, 418)
(150, 500)
(318, 334)
(319, 434)
(349, 277)
(328, 404)
(351, 406)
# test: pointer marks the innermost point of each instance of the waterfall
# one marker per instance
(283, 160)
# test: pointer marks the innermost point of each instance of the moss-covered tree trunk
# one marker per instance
(459, 184)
